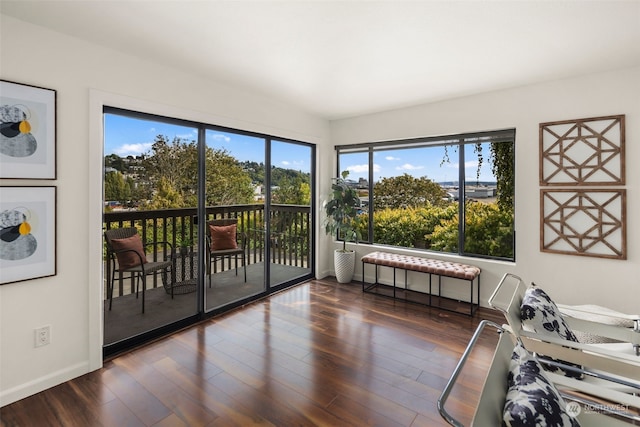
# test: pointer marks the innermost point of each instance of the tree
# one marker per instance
(116, 162)
(406, 191)
(167, 177)
(292, 191)
(176, 163)
(227, 182)
(166, 196)
(116, 187)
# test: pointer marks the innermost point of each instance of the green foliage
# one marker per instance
(292, 191)
(167, 177)
(117, 187)
(408, 227)
(116, 162)
(488, 231)
(502, 166)
(406, 191)
(227, 182)
(175, 162)
(166, 196)
(342, 211)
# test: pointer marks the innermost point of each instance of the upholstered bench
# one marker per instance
(430, 266)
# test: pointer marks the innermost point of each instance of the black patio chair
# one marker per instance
(126, 252)
(224, 241)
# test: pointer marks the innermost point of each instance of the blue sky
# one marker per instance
(417, 162)
(126, 136)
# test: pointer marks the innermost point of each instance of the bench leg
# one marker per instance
(471, 283)
(394, 282)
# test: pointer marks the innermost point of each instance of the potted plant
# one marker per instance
(185, 245)
(342, 219)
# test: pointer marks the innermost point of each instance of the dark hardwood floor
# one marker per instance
(321, 354)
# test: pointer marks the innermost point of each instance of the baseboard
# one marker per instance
(40, 384)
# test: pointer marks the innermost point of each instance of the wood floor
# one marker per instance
(320, 354)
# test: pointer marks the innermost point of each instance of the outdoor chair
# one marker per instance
(224, 241)
(126, 253)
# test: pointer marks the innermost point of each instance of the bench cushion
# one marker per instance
(423, 265)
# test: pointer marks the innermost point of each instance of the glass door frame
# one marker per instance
(201, 312)
(202, 212)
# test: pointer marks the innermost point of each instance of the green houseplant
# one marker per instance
(342, 220)
(185, 245)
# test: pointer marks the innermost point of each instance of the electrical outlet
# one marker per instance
(43, 336)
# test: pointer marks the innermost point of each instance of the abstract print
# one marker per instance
(16, 139)
(16, 240)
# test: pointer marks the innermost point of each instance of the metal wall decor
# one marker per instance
(589, 222)
(583, 152)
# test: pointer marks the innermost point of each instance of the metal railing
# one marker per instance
(289, 225)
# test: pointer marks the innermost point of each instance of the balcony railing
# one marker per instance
(290, 233)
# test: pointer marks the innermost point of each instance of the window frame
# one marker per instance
(456, 140)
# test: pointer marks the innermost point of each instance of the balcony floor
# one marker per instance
(126, 318)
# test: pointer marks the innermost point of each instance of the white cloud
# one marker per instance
(409, 167)
(390, 158)
(471, 164)
(363, 168)
(285, 163)
(133, 149)
(189, 135)
(220, 137)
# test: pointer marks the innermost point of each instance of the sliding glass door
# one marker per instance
(260, 189)
(290, 235)
(150, 195)
(229, 212)
(235, 205)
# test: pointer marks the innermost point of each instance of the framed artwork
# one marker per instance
(27, 233)
(27, 131)
(584, 222)
(583, 152)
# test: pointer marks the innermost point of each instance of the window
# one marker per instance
(414, 192)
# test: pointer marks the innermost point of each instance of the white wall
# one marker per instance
(85, 76)
(569, 279)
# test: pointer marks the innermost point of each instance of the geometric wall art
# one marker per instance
(583, 151)
(588, 222)
(27, 131)
(27, 233)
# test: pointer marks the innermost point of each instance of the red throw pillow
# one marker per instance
(223, 237)
(129, 259)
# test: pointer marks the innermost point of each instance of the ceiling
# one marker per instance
(340, 59)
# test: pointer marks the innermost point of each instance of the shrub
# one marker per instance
(488, 231)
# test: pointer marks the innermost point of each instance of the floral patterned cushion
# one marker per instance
(531, 399)
(540, 314)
